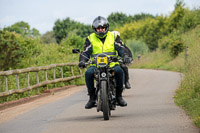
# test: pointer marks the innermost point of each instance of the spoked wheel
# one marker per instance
(105, 106)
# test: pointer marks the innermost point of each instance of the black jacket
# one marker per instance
(127, 51)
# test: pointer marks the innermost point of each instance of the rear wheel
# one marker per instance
(105, 106)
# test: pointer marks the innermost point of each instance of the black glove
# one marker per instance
(127, 60)
(81, 64)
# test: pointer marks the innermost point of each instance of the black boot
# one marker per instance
(120, 100)
(92, 101)
(127, 85)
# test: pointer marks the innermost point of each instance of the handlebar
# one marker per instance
(111, 59)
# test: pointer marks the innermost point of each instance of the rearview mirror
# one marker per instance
(75, 51)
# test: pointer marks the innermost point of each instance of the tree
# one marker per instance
(14, 48)
(62, 28)
(35, 32)
(73, 40)
(118, 19)
(179, 3)
(142, 16)
(176, 16)
(23, 28)
(48, 37)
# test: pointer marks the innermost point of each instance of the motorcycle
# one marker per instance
(105, 83)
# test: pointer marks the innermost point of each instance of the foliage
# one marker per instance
(190, 20)
(142, 16)
(152, 29)
(48, 37)
(23, 28)
(173, 43)
(149, 30)
(44, 55)
(63, 28)
(118, 19)
(35, 33)
(137, 47)
(188, 94)
(153, 60)
(14, 48)
(176, 48)
(174, 20)
(73, 40)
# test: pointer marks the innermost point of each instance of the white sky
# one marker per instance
(41, 14)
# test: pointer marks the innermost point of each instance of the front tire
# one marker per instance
(105, 106)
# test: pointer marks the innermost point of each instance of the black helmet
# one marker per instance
(100, 22)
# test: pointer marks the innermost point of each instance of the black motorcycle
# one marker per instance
(105, 83)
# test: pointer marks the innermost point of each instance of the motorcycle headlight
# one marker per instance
(103, 75)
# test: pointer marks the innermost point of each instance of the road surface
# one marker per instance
(150, 109)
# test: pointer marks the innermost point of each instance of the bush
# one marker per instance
(173, 43)
(14, 48)
(190, 20)
(176, 48)
(137, 47)
(48, 37)
(73, 40)
(149, 30)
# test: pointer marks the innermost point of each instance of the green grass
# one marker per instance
(188, 94)
(153, 60)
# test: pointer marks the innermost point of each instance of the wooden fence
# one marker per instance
(38, 84)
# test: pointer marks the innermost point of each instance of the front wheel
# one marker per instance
(104, 95)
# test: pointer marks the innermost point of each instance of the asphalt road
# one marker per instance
(150, 109)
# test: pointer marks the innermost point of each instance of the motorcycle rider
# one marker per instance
(123, 65)
(102, 41)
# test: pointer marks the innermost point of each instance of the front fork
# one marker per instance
(111, 85)
(111, 96)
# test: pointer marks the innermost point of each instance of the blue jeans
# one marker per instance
(89, 78)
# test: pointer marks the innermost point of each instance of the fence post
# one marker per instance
(71, 67)
(139, 57)
(61, 71)
(37, 79)
(80, 71)
(46, 78)
(186, 53)
(186, 56)
(17, 81)
(28, 81)
(54, 75)
(6, 83)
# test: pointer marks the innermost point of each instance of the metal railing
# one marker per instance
(38, 84)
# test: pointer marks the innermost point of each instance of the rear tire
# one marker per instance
(105, 105)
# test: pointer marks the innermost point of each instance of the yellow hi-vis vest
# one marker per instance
(108, 47)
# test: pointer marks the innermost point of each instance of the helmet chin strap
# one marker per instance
(101, 33)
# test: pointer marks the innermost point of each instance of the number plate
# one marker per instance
(102, 60)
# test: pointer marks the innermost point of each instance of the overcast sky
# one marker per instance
(41, 14)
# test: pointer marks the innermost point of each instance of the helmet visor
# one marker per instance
(101, 27)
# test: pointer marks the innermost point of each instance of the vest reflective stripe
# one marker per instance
(107, 53)
(108, 46)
